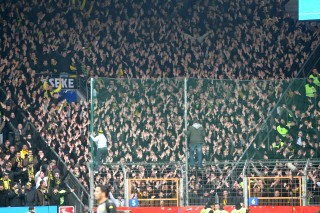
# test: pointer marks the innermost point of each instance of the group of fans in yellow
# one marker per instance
(219, 209)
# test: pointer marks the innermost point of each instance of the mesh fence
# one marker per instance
(215, 183)
(276, 182)
(241, 119)
(151, 183)
(232, 113)
(149, 115)
(313, 183)
(282, 191)
(151, 192)
(143, 120)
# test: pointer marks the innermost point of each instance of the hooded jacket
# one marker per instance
(196, 133)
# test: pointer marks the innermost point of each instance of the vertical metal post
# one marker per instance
(126, 185)
(87, 89)
(186, 139)
(91, 168)
(304, 190)
(181, 191)
(181, 186)
(245, 185)
(304, 184)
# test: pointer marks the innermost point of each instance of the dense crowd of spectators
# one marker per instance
(144, 119)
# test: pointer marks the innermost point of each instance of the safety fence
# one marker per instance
(287, 182)
(280, 190)
(154, 192)
(189, 209)
(252, 209)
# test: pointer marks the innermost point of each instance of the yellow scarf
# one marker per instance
(31, 173)
(6, 183)
(58, 181)
(50, 177)
(23, 153)
(19, 162)
(225, 202)
(30, 159)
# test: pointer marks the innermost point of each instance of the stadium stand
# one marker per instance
(252, 44)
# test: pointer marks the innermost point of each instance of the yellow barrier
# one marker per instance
(276, 191)
(155, 192)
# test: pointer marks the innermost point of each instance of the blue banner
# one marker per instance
(70, 95)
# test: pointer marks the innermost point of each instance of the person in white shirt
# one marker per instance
(118, 202)
(39, 176)
(101, 142)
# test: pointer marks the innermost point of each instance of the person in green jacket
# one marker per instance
(196, 137)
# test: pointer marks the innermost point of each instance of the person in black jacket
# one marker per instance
(42, 194)
(3, 196)
(57, 196)
(30, 195)
(54, 196)
(16, 196)
(226, 199)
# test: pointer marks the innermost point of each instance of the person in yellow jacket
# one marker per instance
(315, 76)
(310, 88)
(207, 208)
(6, 181)
(48, 89)
(282, 129)
(218, 208)
(239, 209)
(24, 151)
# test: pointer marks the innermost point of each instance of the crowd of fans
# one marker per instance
(143, 119)
(149, 115)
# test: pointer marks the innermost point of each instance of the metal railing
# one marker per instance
(210, 184)
(80, 197)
